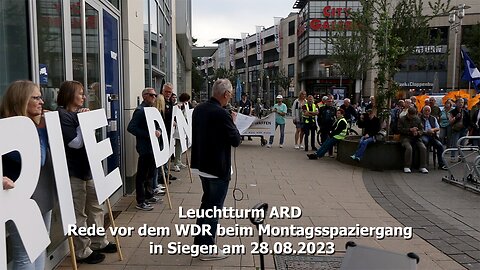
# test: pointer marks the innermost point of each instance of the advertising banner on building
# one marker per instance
(276, 28)
(258, 37)
(244, 46)
(231, 49)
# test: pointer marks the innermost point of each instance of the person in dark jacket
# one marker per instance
(214, 133)
(410, 128)
(146, 162)
(430, 134)
(88, 211)
(339, 132)
(371, 125)
(326, 118)
(350, 112)
(459, 119)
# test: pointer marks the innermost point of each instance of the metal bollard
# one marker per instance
(257, 221)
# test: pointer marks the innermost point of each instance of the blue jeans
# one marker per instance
(20, 260)
(364, 142)
(327, 145)
(455, 136)
(429, 140)
(282, 133)
(214, 193)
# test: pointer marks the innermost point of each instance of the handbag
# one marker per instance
(381, 136)
(458, 125)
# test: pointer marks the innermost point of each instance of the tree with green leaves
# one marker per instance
(281, 79)
(197, 79)
(387, 32)
(471, 39)
(223, 73)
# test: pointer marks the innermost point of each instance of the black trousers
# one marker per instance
(143, 180)
(325, 135)
(309, 129)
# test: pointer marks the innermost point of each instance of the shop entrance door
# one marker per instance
(95, 63)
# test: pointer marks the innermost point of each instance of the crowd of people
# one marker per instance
(429, 126)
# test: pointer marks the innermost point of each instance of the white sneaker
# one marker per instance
(160, 186)
(182, 166)
(281, 145)
(407, 170)
(176, 168)
(159, 191)
(302, 147)
(423, 170)
(296, 146)
(269, 146)
(213, 257)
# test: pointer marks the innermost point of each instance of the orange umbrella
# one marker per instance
(420, 101)
(455, 95)
(473, 101)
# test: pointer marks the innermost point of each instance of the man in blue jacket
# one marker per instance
(146, 162)
(214, 133)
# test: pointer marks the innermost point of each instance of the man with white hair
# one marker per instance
(430, 134)
(435, 109)
(350, 112)
(213, 135)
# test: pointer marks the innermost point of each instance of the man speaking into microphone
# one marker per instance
(214, 133)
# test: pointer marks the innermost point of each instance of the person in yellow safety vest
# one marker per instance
(338, 134)
(309, 124)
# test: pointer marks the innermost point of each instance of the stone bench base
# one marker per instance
(387, 155)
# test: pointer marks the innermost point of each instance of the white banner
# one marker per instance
(259, 42)
(244, 46)
(250, 125)
(231, 47)
(276, 29)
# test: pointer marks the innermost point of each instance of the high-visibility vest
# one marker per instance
(343, 133)
(310, 118)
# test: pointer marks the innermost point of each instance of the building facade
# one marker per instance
(101, 44)
(257, 61)
(305, 55)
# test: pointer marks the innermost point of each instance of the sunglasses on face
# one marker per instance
(152, 95)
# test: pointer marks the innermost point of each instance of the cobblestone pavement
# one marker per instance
(444, 217)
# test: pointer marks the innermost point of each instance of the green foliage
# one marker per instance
(472, 42)
(281, 79)
(386, 31)
(223, 73)
(197, 78)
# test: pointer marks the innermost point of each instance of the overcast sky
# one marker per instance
(215, 19)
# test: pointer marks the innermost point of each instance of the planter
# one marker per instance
(386, 155)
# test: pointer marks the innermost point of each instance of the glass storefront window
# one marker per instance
(14, 43)
(77, 48)
(50, 50)
(93, 85)
(154, 33)
(115, 3)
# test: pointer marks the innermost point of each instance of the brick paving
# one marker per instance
(330, 193)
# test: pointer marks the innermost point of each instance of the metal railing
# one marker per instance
(465, 170)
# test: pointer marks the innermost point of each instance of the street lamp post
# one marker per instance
(267, 90)
(259, 88)
(457, 12)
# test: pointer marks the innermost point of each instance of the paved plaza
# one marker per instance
(445, 219)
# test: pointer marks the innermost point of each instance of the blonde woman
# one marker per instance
(297, 114)
(23, 98)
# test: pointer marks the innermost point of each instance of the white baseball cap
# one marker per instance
(279, 96)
